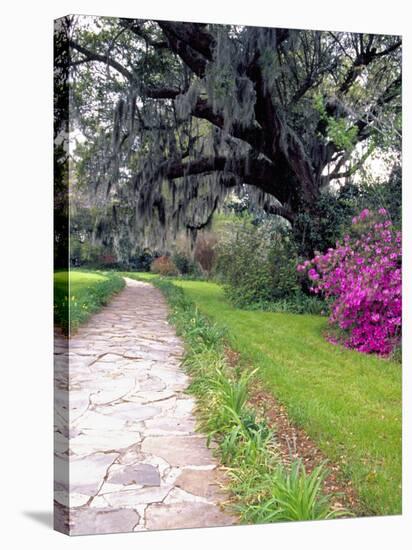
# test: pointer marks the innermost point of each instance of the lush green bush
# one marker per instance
(141, 261)
(320, 228)
(257, 265)
(86, 253)
(329, 219)
(184, 264)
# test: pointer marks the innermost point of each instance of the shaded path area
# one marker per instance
(134, 459)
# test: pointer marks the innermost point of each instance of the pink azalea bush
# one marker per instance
(362, 279)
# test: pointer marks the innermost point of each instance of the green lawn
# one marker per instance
(348, 402)
(78, 294)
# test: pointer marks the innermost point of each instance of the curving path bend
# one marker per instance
(127, 456)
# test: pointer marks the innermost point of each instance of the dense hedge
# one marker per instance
(257, 265)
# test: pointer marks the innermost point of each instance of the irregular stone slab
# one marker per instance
(184, 407)
(131, 456)
(96, 421)
(155, 396)
(108, 391)
(86, 474)
(129, 498)
(78, 403)
(203, 483)
(92, 441)
(169, 425)
(172, 379)
(107, 358)
(177, 495)
(129, 411)
(152, 383)
(138, 474)
(89, 521)
(179, 450)
(185, 515)
(165, 406)
(159, 463)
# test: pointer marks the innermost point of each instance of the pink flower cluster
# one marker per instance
(363, 279)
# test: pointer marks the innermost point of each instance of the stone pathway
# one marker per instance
(131, 459)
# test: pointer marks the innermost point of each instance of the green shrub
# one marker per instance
(257, 266)
(298, 303)
(330, 217)
(184, 264)
(289, 494)
(141, 261)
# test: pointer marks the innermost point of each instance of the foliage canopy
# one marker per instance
(175, 114)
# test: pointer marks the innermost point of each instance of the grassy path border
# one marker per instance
(348, 403)
(263, 488)
(74, 303)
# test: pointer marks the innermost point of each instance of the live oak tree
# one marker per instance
(176, 114)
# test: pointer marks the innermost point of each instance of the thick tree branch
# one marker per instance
(94, 56)
(280, 210)
(365, 124)
(154, 93)
(178, 169)
(336, 174)
(254, 170)
(162, 93)
(190, 42)
(193, 34)
(271, 135)
(280, 140)
(204, 110)
(252, 134)
(136, 27)
(389, 49)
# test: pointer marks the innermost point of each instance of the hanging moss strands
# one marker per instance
(173, 116)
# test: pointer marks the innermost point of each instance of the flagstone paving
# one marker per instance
(127, 455)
